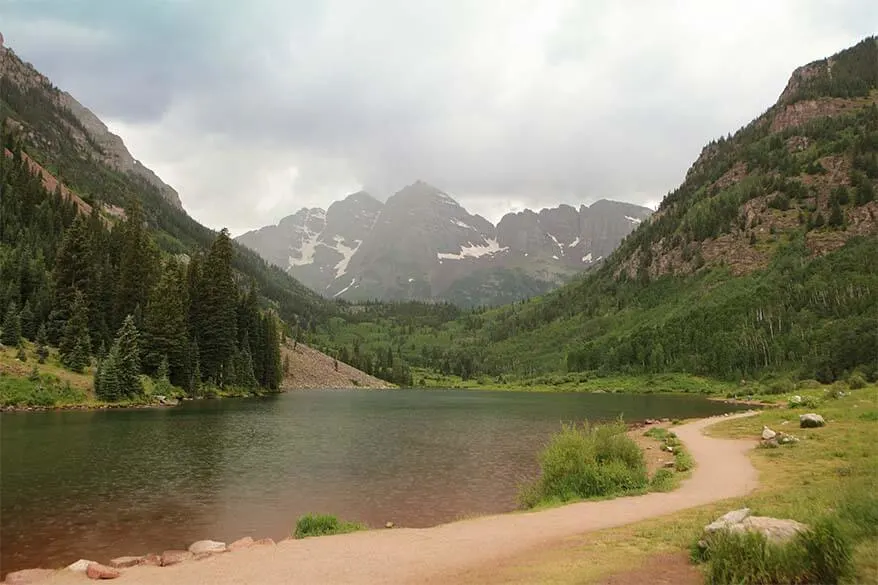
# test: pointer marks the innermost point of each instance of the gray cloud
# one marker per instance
(259, 108)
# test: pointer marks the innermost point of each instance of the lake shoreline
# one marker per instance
(273, 561)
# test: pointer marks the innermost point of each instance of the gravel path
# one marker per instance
(432, 555)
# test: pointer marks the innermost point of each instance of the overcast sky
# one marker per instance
(254, 109)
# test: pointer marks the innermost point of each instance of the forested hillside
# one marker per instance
(765, 259)
(34, 113)
(104, 293)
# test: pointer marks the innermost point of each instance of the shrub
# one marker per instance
(856, 381)
(323, 525)
(782, 386)
(662, 481)
(587, 461)
(683, 461)
(808, 384)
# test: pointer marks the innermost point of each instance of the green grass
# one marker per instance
(323, 525)
(823, 554)
(587, 461)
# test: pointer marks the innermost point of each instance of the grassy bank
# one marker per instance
(324, 525)
(822, 472)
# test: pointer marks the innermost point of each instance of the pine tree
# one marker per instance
(127, 346)
(138, 257)
(194, 385)
(42, 344)
(165, 335)
(28, 322)
(107, 377)
(75, 347)
(216, 323)
(73, 275)
(11, 334)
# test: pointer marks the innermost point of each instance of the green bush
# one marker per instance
(587, 461)
(782, 386)
(822, 554)
(808, 384)
(683, 461)
(323, 525)
(856, 381)
(662, 481)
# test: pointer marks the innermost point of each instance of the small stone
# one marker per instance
(795, 399)
(768, 434)
(79, 566)
(669, 464)
(242, 543)
(99, 571)
(125, 562)
(172, 557)
(27, 576)
(152, 559)
(264, 541)
(811, 420)
(388, 525)
(207, 546)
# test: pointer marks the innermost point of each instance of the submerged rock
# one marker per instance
(262, 541)
(99, 571)
(811, 420)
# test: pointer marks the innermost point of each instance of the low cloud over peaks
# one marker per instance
(262, 108)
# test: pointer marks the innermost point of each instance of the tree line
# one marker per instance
(105, 294)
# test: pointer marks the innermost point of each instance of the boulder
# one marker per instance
(172, 557)
(785, 439)
(242, 543)
(728, 519)
(389, 525)
(152, 559)
(125, 562)
(795, 399)
(79, 566)
(811, 420)
(207, 546)
(99, 571)
(767, 434)
(776, 530)
(26, 576)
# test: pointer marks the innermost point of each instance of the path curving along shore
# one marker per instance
(434, 554)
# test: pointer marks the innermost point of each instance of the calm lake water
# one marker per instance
(107, 483)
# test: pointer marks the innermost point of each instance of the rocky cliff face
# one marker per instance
(422, 244)
(90, 134)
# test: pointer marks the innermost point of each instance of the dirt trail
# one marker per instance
(434, 555)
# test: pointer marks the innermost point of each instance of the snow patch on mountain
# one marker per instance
(574, 243)
(346, 254)
(632, 219)
(309, 246)
(474, 251)
(345, 289)
(587, 257)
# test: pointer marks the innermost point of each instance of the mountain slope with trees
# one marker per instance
(764, 260)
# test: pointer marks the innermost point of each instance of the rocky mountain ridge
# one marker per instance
(422, 244)
(90, 134)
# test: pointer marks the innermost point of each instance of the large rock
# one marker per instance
(727, 520)
(99, 571)
(172, 557)
(79, 566)
(767, 434)
(811, 420)
(125, 562)
(775, 530)
(201, 547)
(26, 576)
